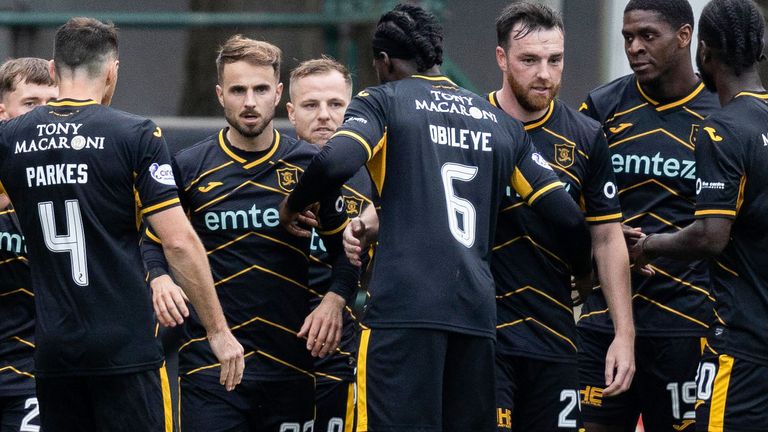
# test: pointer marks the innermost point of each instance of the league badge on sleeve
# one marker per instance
(694, 132)
(162, 174)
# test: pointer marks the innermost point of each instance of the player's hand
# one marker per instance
(229, 352)
(169, 301)
(355, 241)
(631, 234)
(290, 220)
(619, 365)
(640, 262)
(583, 287)
(323, 326)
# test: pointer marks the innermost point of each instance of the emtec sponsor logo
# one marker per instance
(12, 242)
(442, 102)
(654, 165)
(242, 219)
(54, 136)
(703, 184)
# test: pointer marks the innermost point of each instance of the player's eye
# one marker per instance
(529, 61)
(337, 105)
(556, 60)
(310, 106)
(649, 36)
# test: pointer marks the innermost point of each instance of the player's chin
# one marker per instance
(321, 136)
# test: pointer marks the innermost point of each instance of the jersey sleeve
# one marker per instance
(532, 177)
(365, 120)
(601, 200)
(721, 174)
(154, 179)
(588, 108)
(333, 220)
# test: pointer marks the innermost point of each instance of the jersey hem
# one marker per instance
(121, 370)
(432, 325)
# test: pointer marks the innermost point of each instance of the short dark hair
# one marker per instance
(411, 33)
(530, 16)
(735, 28)
(29, 70)
(319, 66)
(84, 42)
(676, 13)
(254, 52)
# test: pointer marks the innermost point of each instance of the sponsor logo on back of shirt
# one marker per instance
(450, 103)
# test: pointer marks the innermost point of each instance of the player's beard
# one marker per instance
(529, 101)
(250, 131)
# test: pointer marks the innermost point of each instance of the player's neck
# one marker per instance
(252, 144)
(675, 85)
(729, 85)
(81, 90)
(509, 104)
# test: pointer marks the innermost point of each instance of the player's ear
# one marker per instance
(3, 112)
(278, 93)
(501, 58)
(52, 69)
(684, 35)
(703, 52)
(291, 113)
(220, 94)
(112, 68)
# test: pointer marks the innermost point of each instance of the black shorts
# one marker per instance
(423, 380)
(19, 413)
(536, 395)
(254, 405)
(732, 395)
(663, 390)
(132, 402)
(334, 406)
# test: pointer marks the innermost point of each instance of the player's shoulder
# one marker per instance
(743, 118)
(295, 151)
(575, 123)
(120, 120)
(199, 153)
(606, 98)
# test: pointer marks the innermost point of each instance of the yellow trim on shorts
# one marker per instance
(720, 393)
(362, 363)
(165, 386)
(349, 420)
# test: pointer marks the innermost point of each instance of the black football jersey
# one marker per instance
(652, 152)
(17, 311)
(533, 289)
(732, 156)
(339, 365)
(73, 170)
(440, 158)
(260, 270)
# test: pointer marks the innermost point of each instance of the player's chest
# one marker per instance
(241, 201)
(649, 146)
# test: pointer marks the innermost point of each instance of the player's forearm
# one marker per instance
(701, 239)
(370, 219)
(339, 160)
(153, 256)
(612, 262)
(565, 217)
(344, 275)
(189, 266)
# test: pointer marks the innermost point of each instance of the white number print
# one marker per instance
(25, 422)
(335, 424)
(562, 420)
(296, 427)
(705, 377)
(687, 397)
(463, 232)
(73, 242)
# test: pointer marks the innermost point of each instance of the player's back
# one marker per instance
(74, 170)
(441, 160)
(733, 183)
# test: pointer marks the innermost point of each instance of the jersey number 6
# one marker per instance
(463, 230)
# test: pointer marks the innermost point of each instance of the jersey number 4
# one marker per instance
(461, 213)
(73, 242)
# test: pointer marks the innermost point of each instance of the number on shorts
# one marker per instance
(562, 420)
(296, 427)
(687, 396)
(464, 233)
(72, 243)
(705, 377)
(335, 424)
(25, 422)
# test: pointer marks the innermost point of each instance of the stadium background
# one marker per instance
(167, 49)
